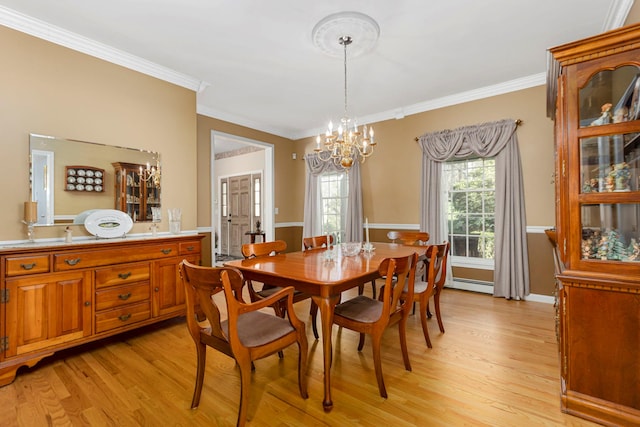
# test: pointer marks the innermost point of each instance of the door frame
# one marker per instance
(268, 187)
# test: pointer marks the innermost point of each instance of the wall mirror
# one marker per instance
(69, 177)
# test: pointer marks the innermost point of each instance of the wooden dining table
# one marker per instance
(324, 274)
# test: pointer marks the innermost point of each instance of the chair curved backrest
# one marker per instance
(255, 250)
(409, 237)
(201, 284)
(317, 242)
(442, 256)
(400, 274)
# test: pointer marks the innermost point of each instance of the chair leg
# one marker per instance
(436, 302)
(302, 366)
(373, 288)
(245, 383)
(376, 342)
(361, 342)
(423, 320)
(313, 311)
(402, 331)
(429, 315)
(281, 311)
(360, 289)
(201, 351)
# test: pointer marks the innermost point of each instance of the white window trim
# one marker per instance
(470, 262)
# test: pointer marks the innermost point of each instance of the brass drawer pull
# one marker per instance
(72, 261)
(124, 276)
(125, 297)
(28, 266)
(165, 251)
(125, 317)
(190, 248)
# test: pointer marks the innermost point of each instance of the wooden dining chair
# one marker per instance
(317, 242)
(373, 316)
(431, 285)
(246, 335)
(264, 249)
(408, 237)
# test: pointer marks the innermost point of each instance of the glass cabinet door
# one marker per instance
(608, 153)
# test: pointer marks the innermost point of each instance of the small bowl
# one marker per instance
(351, 248)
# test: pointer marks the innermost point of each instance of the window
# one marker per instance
(224, 199)
(334, 191)
(256, 198)
(470, 188)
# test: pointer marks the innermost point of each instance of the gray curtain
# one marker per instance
(495, 139)
(312, 212)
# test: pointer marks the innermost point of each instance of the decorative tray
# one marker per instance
(108, 223)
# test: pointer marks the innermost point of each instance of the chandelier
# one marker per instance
(150, 174)
(348, 142)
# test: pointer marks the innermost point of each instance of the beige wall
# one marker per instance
(51, 90)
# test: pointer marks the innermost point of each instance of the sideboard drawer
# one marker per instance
(74, 260)
(122, 274)
(18, 266)
(117, 296)
(187, 248)
(123, 316)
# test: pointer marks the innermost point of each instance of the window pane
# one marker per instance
(459, 246)
(333, 199)
(470, 186)
(459, 224)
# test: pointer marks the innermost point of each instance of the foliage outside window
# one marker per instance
(470, 188)
(334, 191)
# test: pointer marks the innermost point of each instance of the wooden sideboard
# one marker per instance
(62, 295)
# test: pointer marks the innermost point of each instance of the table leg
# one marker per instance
(327, 307)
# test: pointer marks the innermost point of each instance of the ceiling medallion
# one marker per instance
(357, 25)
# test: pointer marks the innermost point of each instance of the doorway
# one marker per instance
(239, 148)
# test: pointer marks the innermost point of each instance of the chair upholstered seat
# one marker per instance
(257, 328)
(267, 291)
(418, 288)
(361, 309)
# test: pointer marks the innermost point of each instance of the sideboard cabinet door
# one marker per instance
(47, 310)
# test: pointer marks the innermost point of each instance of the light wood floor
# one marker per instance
(496, 365)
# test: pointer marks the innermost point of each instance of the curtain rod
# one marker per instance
(518, 123)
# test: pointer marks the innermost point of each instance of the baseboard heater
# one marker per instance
(471, 285)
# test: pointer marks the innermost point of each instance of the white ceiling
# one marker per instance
(253, 61)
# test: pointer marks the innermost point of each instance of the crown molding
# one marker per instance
(446, 101)
(242, 121)
(43, 30)
(617, 14)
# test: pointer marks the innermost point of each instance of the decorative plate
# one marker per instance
(108, 223)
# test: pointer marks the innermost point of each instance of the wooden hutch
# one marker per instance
(595, 101)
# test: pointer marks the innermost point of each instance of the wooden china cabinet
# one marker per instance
(597, 132)
(133, 195)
